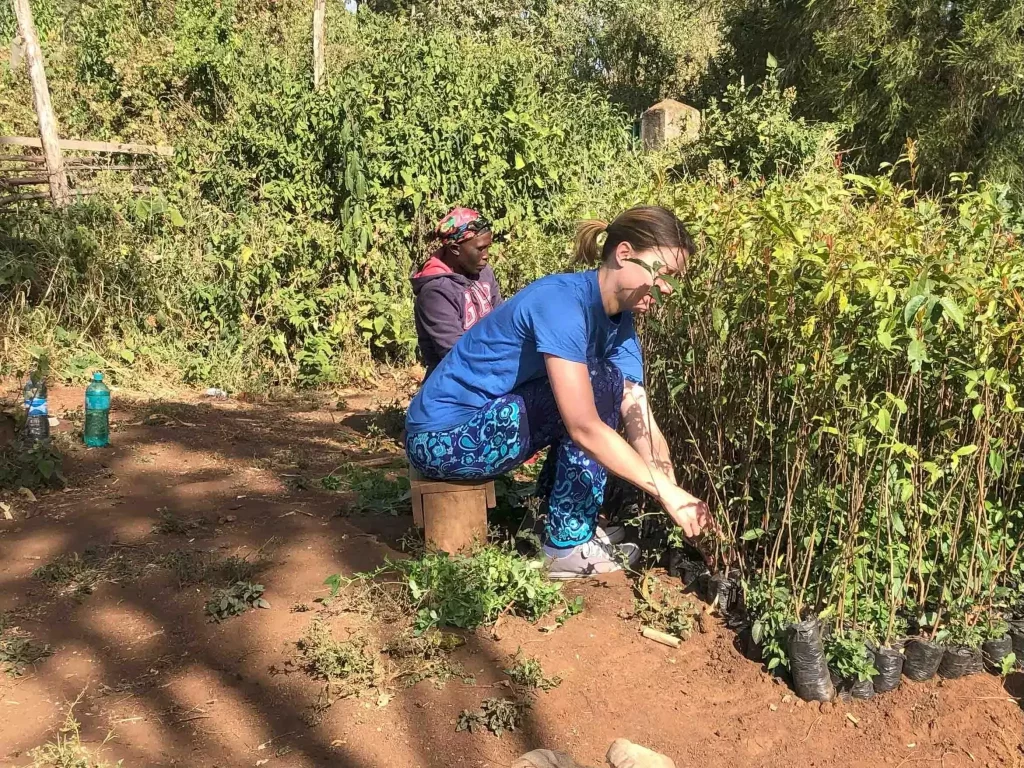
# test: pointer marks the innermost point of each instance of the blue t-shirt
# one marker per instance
(560, 315)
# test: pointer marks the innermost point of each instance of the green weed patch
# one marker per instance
(468, 591)
(239, 598)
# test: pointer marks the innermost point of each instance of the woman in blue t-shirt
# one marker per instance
(558, 365)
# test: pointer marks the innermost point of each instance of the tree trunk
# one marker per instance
(319, 36)
(48, 134)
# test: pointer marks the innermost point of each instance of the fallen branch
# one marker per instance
(661, 637)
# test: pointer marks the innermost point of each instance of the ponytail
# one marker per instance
(643, 227)
(586, 251)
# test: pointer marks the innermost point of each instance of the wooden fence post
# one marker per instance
(319, 41)
(60, 192)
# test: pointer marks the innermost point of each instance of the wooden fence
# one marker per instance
(21, 174)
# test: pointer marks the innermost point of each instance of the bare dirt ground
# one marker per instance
(175, 689)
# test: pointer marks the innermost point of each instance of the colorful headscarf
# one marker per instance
(459, 225)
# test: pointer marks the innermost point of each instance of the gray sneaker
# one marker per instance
(590, 559)
(611, 534)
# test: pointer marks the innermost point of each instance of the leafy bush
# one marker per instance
(848, 657)
(753, 132)
(280, 245)
(839, 378)
(959, 631)
(887, 69)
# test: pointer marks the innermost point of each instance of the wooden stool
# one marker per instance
(452, 513)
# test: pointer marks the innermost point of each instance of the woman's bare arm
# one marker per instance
(642, 431)
(574, 396)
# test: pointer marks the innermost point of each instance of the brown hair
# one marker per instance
(643, 227)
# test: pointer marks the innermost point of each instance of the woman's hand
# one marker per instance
(688, 512)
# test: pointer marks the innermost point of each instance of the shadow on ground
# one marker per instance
(244, 480)
(174, 688)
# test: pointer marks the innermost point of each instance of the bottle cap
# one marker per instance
(98, 376)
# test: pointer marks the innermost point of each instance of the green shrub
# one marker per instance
(839, 377)
(848, 656)
(470, 590)
(279, 246)
(752, 131)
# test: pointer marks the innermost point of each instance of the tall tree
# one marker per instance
(946, 74)
(639, 50)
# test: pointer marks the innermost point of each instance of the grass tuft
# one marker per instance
(66, 749)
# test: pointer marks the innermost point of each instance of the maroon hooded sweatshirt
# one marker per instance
(447, 305)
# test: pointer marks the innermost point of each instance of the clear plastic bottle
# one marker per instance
(97, 413)
(37, 415)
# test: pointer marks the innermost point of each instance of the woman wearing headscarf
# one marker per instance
(455, 287)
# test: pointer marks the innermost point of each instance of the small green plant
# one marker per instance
(528, 673)
(770, 606)
(665, 609)
(170, 524)
(848, 656)
(237, 599)
(992, 626)
(374, 491)
(17, 651)
(960, 631)
(331, 482)
(1008, 664)
(34, 466)
(470, 590)
(495, 715)
(388, 420)
(572, 608)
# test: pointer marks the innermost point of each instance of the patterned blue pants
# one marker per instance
(509, 430)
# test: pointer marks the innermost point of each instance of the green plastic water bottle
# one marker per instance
(97, 413)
